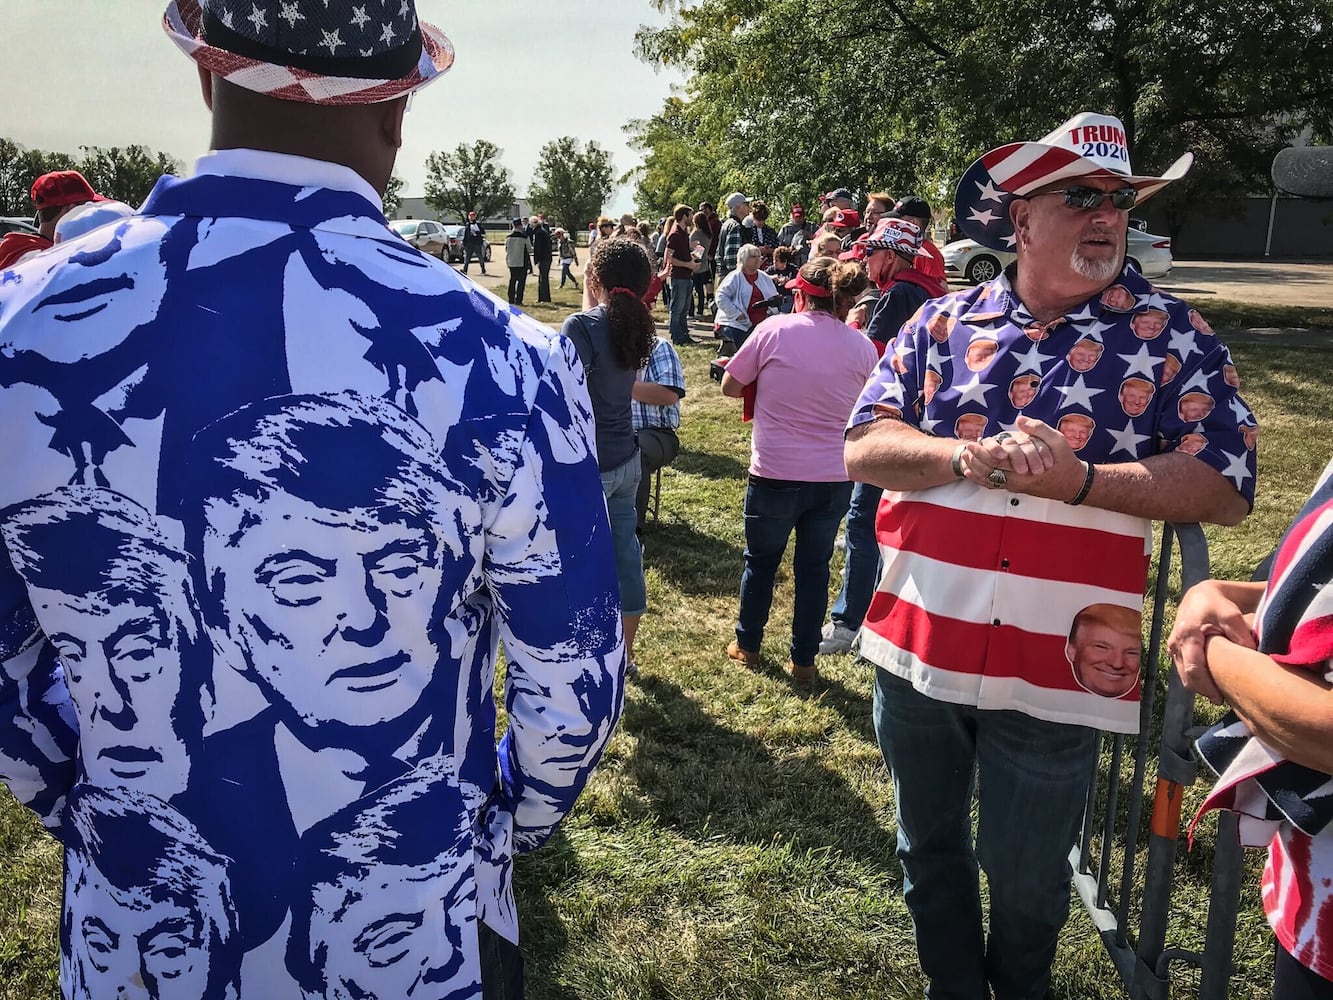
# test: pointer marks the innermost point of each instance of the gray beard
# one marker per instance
(1094, 270)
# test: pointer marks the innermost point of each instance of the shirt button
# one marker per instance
(1013, 502)
(996, 623)
(1004, 564)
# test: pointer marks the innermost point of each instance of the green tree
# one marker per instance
(19, 167)
(125, 173)
(393, 196)
(682, 161)
(469, 179)
(936, 82)
(572, 182)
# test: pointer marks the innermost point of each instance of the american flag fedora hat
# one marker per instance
(314, 51)
(1088, 145)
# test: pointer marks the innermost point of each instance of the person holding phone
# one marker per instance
(807, 369)
(744, 299)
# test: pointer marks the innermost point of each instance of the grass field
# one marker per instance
(737, 841)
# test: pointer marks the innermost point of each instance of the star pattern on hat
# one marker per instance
(985, 218)
(1078, 394)
(1127, 440)
(987, 191)
(291, 14)
(257, 17)
(1142, 363)
(359, 17)
(387, 34)
(331, 40)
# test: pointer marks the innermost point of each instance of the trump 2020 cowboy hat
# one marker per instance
(313, 51)
(1088, 145)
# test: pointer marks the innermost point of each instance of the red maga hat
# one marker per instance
(60, 188)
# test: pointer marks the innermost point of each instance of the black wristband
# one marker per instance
(1087, 486)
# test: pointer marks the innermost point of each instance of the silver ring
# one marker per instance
(997, 477)
(1002, 437)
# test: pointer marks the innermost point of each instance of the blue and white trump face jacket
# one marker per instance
(273, 486)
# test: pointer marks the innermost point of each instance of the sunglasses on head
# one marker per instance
(1087, 197)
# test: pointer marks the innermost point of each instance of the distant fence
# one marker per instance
(1141, 955)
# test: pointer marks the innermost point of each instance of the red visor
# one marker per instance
(799, 284)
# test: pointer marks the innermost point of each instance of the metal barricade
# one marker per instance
(1142, 957)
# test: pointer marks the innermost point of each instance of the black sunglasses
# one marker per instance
(1086, 197)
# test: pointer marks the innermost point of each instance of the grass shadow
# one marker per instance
(691, 560)
(705, 780)
(709, 465)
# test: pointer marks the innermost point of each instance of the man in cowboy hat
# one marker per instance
(366, 470)
(992, 547)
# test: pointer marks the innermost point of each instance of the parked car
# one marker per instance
(13, 224)
(427, 236)
(966, 259)
(454, 234)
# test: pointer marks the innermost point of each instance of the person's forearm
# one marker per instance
(732, 386)
(654, 393)
(1289, 708)
(896, 456)
(1170, 487)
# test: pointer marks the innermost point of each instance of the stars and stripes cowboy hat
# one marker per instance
(314, 51)
(1088, 145)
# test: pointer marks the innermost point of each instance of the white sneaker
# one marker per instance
(837, 639)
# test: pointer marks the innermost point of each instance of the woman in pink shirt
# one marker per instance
(808, 368)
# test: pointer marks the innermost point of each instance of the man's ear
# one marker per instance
(1020, 215)
(206, 87)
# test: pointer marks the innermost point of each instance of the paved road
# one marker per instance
(1278, 283)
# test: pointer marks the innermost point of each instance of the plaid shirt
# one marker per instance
(664, 368)
(729, 244)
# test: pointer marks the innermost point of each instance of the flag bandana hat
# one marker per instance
(312, 51)
(898, 235)
(1088, 145)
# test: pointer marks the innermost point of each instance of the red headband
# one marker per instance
(622, 290)
(800, 284)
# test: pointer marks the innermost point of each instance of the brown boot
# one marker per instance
(802, 672)
(747, 656)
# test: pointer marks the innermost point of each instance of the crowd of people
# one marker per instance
(277, 487)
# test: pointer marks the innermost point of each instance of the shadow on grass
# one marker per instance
(710, 466)
(537, 877)
(705, 780)
(1284, 375)
(694, 562)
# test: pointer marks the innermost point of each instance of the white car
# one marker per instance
(967, 259)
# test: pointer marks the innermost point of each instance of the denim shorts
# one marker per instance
(620, 485)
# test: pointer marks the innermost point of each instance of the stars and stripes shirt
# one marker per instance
(1005, 601)
(1280, 803)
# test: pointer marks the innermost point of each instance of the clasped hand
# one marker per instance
(1035, 459)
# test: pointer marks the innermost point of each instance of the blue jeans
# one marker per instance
(1033, 779)
(860, 572)
(620, 485)
(773, 509)
(682, 292)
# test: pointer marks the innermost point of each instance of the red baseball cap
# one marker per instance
(62, 187)
(797, 211)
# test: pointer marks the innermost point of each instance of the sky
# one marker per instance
(102, 73)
